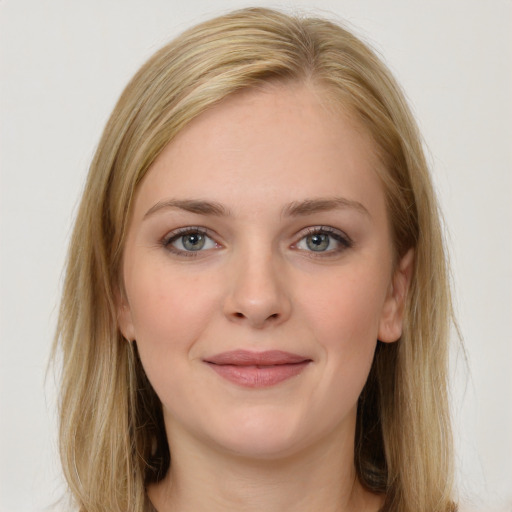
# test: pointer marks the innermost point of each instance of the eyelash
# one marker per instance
(169, 239)
(341, 238)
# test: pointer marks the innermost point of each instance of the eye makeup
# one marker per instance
(320, 241)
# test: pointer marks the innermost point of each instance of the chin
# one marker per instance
(264, 436)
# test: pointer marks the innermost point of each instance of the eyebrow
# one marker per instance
(310, 206)
(294, 209)
(190, 205)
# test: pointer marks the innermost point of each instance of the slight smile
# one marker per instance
(257, 369)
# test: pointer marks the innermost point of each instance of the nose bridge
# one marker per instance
(258, 294)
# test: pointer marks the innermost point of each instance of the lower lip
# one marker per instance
(258, 376)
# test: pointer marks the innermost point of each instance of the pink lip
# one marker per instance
(257, 369)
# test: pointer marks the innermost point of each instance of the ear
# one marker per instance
(390, 325)
(124, 316)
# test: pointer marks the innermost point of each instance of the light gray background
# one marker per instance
(63, 65)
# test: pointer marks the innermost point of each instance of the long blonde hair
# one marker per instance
(112, 438)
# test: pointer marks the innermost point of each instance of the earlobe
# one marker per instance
(390, 326)
(124, 317)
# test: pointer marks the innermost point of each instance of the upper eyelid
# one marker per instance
(176, 233)
(311, 230)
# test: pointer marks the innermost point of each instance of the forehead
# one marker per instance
(287, 142)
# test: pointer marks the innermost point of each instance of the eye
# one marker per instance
(324, 240)
(187, 241)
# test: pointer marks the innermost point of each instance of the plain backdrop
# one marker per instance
(63, 65)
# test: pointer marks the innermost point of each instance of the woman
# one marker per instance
(256, 307)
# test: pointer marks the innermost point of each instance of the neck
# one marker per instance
(321, 477)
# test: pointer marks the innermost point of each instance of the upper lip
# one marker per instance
(249, 358)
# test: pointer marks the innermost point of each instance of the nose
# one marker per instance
(257, 294)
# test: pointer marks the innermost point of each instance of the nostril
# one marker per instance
(274, 316)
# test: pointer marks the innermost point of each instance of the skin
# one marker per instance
(257, 285)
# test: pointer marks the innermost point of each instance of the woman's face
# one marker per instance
(259, 274)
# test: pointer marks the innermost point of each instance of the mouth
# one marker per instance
(257, 369)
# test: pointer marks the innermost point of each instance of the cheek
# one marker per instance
(169, 312)
(344, 316)
(348, 307)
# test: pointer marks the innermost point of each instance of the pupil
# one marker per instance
(193, 242)
(318, 242)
